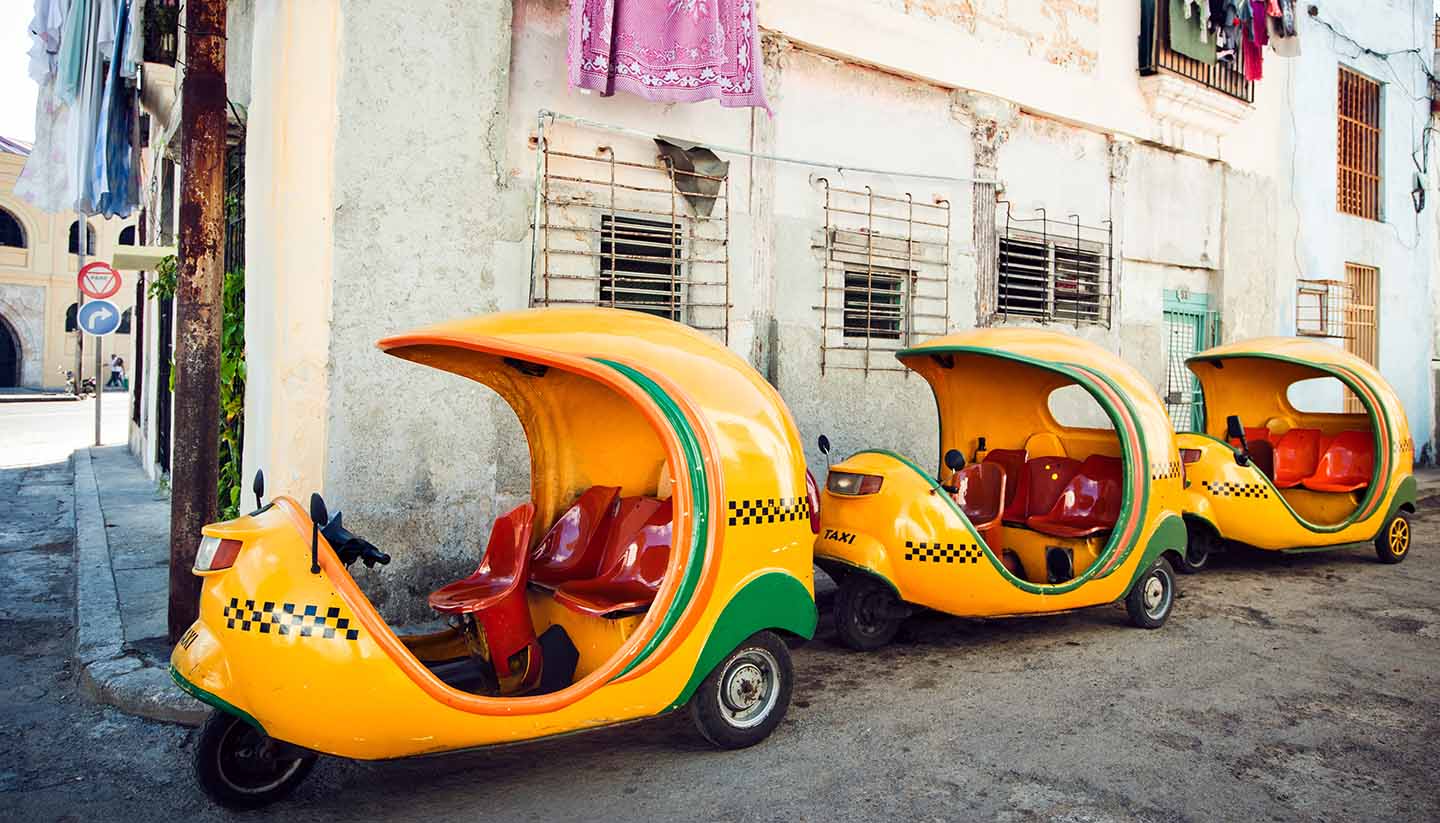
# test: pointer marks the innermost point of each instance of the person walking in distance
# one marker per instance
(117, 369)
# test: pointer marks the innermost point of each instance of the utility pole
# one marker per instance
(195, 463)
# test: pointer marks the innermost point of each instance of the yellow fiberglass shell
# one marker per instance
(1250, 379)
(604, 396)
(997, 382)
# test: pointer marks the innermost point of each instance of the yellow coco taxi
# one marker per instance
(663, 561)
(1305, 447)
(1046, 517)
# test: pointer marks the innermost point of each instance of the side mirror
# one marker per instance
(824, 443)
(954, 460)
(1235, 431)
(319, 515)
(259, 487)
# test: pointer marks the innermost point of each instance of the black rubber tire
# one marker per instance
(1152, 616)
(857, 623)
(713, 709)
(226, 738)
(1392, 544)
(1198, 545)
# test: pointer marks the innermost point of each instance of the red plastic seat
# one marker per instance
(1013, 462)
(980, 491)
(1296, 454)
(571, 549)
(1089, 504)
(1345, 465)
(637, 551)
(495, 595)
(1047, 478)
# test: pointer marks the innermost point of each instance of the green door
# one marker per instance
(1190, 327)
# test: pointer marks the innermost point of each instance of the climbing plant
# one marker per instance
(232, 392)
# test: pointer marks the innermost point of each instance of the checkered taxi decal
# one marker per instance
(1227, 488)
(769, 510)
(288, 618)
(1170, 470)
(926, 552)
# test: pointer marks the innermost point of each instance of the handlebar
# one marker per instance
(350, 547)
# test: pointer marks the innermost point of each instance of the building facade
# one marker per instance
(926, 167)
(38, 267)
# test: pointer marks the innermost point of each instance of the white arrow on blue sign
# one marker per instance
(99, 317)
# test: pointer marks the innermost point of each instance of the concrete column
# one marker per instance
(289, 242)
(990, 120)
(761, 206)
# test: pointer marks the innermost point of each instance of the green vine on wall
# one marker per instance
(232, 377)
(232, 393)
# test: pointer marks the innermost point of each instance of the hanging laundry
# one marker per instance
(45, 29)
(1257, 34)
(1187, 33)
(110, 164)
(1284, 39)
(668, 51)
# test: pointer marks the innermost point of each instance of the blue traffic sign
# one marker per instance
(99, 317)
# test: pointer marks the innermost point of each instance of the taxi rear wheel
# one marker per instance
(240, 767)
(1152, 597)
(866, 613)
(744, 698)
(1393, 543)
(1197, 551)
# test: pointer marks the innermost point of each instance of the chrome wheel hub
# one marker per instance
(750, 688)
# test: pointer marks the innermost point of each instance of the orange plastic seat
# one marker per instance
(1013, 462)
(980, 491)
(571, 549)
(495, 595)
(1345, 465)
(1090, 503)
(637, 551)
(1296, 454)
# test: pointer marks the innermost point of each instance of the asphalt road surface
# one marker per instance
(1281, 689)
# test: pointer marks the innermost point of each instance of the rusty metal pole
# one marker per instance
(195, 464)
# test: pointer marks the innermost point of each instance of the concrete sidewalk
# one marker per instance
(122, 545)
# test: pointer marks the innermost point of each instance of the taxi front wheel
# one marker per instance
(744, 698)
(867, 613)
(1393, 542)
(1152, 597)
(240, 767)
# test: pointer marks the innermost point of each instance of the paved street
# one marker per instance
(36, 432)
(1298, 688)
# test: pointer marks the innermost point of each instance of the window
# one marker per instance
(1053, 277)
(1160, 53)
(124, 322)
(12, 234)
(1362, 321)
(127, 236)
(640, 265)
(70, 323)
(1320, 308)
(75, 238)
(1075, 408)
(876, 304)
(1357, 188)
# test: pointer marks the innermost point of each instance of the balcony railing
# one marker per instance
(1156, 56)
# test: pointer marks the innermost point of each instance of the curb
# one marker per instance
(108, 673)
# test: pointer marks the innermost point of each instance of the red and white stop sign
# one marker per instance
(99, 280)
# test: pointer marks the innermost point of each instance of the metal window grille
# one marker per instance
(639, 266)
(1363, 321)
(885, 283)
(1320, 308)
(1156, 56)
(1052, 270)
(1190, 327)
(612, 229)
(1357, 188)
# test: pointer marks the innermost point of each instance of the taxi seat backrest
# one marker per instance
(636, 554)
(1346, 463)
(1048, 477)
(1296, 454)
(571, 549)
(980, 491)
(1044, 444)
(1012, 461)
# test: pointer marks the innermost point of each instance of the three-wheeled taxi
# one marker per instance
(1028, 514)
(1304, 447)
(663, 560)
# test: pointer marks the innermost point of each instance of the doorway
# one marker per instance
(1190, 328)
(9, 356)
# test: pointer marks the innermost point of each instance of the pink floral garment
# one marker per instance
(670, 51)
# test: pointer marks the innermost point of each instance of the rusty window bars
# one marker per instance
(618, 232)
(885, 278)
(1357, 159)
(1055, 270)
